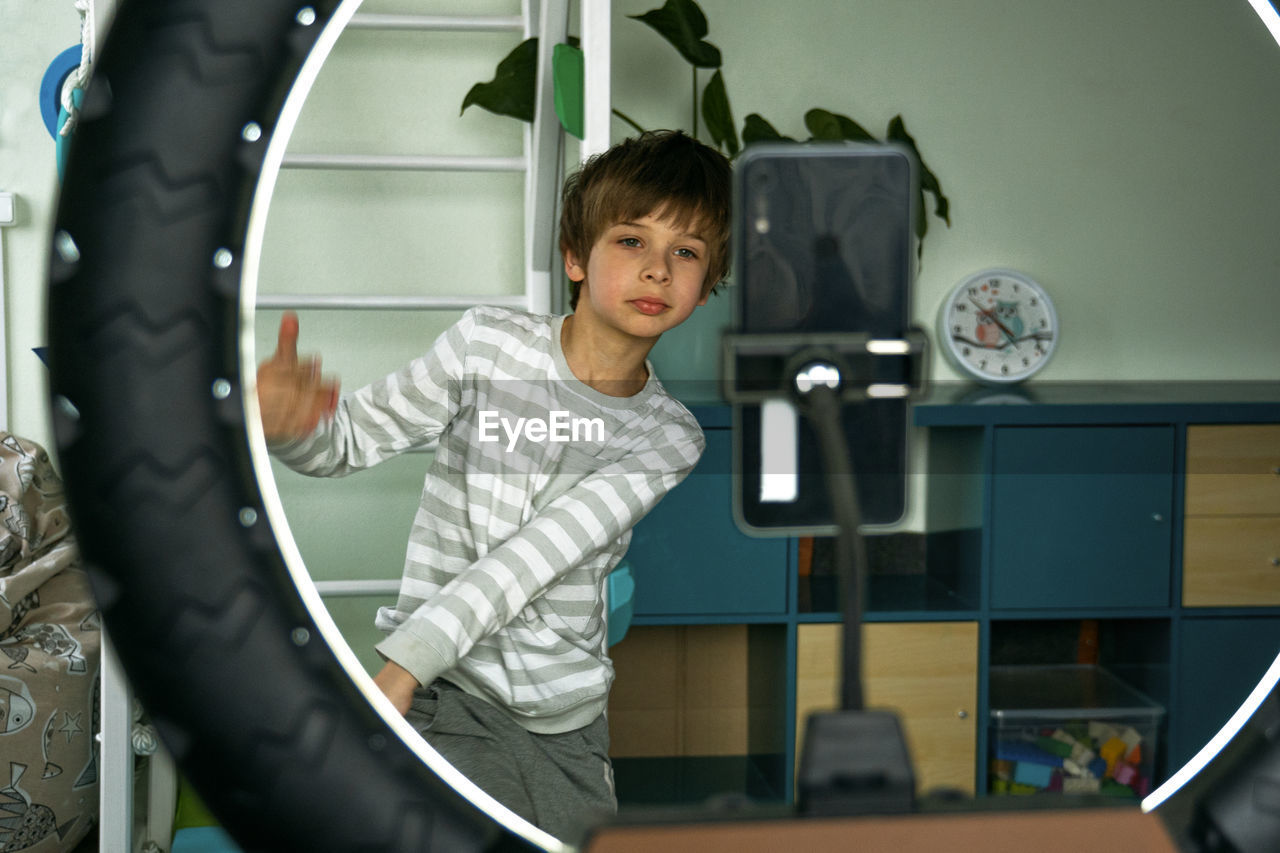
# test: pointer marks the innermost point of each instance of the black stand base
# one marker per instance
(855, 763)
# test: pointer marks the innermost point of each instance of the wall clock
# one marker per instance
(998, 326)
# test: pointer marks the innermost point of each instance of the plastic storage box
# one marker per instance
(1071, 729)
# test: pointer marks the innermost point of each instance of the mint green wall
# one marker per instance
(1123, 154)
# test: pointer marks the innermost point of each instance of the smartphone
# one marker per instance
(823, 243)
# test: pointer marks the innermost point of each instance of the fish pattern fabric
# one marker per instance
(50, 637)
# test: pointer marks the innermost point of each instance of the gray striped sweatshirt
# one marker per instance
(529, 502)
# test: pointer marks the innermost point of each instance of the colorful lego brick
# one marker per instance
(1022, 751)
(1102, 732)
(1082, 755)
(1112, 751)
(1124, 773)
(1112, 788)
(1085, 785)
(1073, 756)
(1131, 737)
(1035, 775)
(1054, 746)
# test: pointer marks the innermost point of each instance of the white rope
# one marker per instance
(80, 78)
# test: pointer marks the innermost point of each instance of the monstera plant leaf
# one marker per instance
(718, 116)
(929, 183)
(756, 129)
(682, 23)
(828, 126)
(511, 92)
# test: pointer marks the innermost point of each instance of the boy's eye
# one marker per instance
(629, 241)
(687, 253)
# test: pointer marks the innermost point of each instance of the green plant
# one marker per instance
(684, 26)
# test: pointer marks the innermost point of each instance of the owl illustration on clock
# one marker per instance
(998, 326)
(987, 332)
(1007, 313)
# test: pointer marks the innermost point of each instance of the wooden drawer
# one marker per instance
(926, 671)
(680, 690)
(1233, 470)
(699, 690)
(1231, 561)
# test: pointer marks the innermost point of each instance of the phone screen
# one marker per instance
(823, 242)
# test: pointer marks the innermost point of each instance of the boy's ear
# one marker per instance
(574, 270)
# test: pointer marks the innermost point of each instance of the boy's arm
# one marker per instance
(571, 530)
(409, 408)
(398, 684)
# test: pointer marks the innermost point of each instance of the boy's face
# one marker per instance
(642, 278)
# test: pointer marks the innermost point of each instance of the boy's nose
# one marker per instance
(657, 269)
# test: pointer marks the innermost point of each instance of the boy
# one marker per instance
(554, 439)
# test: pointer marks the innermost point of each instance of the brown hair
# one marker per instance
(663, 172)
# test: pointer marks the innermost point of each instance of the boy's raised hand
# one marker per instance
(293, 396)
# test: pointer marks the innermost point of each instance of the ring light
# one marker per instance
(157, 232)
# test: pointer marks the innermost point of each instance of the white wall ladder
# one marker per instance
(540, 161)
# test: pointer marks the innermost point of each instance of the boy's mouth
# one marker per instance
(649, 306)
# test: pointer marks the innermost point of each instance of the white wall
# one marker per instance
(32, 35)
(1123, 154)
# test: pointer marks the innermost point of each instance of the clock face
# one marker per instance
(998, 326)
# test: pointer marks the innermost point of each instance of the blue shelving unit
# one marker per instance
(1069, 499)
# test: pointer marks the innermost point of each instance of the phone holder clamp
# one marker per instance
(761, 366)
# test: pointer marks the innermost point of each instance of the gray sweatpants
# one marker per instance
(561, 783)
